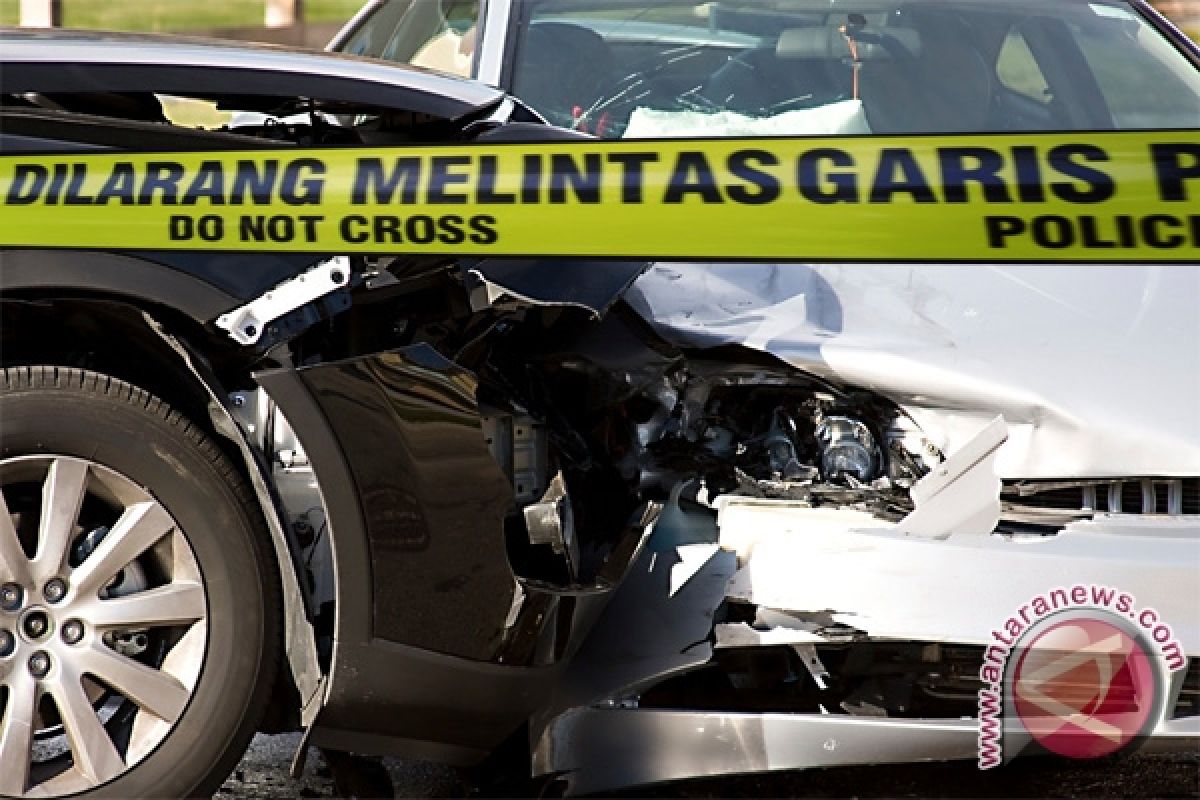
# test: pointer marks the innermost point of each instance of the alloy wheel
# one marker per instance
(103, 625)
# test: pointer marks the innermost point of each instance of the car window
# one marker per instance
(189, 112)
(817, 67)
(433, 34)
(375, 31)
(1018, 70)
(1143, 87)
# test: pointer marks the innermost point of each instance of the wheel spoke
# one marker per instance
(139, 528)
(16, 734)
(173, 604)
(62, 496)
(14, 565)
(155, 691)
(95, 756)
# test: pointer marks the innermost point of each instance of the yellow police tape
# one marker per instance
(1014, 197)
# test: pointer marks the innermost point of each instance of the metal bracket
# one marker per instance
(246, 324)
(812, 662)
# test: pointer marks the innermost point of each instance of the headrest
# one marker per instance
(874, 44)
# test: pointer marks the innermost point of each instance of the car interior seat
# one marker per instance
(944, 86)
(784, 75)
(562, 67)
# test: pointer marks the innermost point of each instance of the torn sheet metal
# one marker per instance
(893, 586)
(588, 284)
(741, 634)
(691, 559)
(660, 620)
(773, 627)
(961, 495)
(299, 638)
(741, 539)
(1096, 372)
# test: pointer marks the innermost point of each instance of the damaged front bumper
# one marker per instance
(884, 584)
(819, 580)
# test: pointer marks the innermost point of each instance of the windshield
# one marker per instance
(434, 34)
(812, 67)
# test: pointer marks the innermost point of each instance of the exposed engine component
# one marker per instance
(267, 428)
(520, 445)
(847, 450)
(552, 522)
(618, 417)
(784, 435)
(780, 445)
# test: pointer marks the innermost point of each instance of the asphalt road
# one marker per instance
(262, 775)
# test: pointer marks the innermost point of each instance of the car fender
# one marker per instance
(299, 639)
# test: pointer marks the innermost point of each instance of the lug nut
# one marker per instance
(8, 643)
(54, 590)
(11, 596)
(72, 631)
(36, 624)
(39, 664)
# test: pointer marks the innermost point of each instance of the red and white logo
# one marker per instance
(1084, 687)
(1077, 671)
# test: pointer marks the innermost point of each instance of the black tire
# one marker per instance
(73, 412)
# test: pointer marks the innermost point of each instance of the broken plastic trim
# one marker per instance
(247, 323)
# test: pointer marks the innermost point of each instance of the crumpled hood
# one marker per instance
(1095, 368)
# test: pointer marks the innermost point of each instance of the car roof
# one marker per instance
(66, 61)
